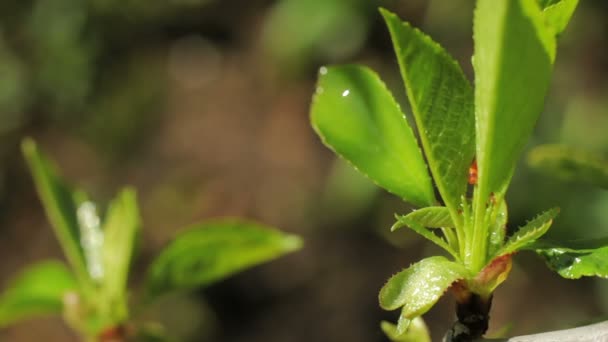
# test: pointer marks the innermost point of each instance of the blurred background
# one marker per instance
(202, 105)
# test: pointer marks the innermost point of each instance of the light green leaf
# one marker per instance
(570, 164)
(414, 331)
(558, 15)
(60, 205)
(38, 290)
(357, 117)
(498, 229)
(514, 53)
(213, 250)
(120, 228)
(442, 101)
(418, 287)
(430, 217)
(529, 233)
(424, 232)
(577, 259)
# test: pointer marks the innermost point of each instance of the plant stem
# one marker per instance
(473, 313)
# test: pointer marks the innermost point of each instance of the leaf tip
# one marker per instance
(292, 243)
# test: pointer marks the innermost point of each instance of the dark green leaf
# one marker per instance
(38, 290)
(429, 235)
(356, 116)
(430, 217)
(213, 250)
(120, 230)
(575, 259)
(514, 53)
(442, 101)
(529, 233)
(569, 164)
(418, 287)
(60, 206)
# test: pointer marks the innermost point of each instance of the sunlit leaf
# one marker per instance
(60, 206)
(514, 53)
(120, 227)
(430, 217)
(424, 232)
(213, 250)
(356, 116)
(415, 331)
(558, 15)
(418, 287)
(442, 101)
(530, 232)
(38, 290)
(570, 164)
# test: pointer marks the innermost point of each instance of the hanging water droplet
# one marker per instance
(345, 93)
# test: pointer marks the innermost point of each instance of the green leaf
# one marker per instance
(529, 233)
(60, 205)
(442, 101)
(120, 228)
(430, 217)
(424, 232)
(415, 330)
(38, 290)
(418, 287)
(558, 15)
(357, 117)
(570, 164)
(210, 251)
(514, 53)
(576, 260)
(498, 229)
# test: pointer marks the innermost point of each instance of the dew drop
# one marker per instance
(323, 70)
(345, 93)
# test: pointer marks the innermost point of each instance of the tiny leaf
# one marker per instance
(442, 101)
(213, 250)
(558, 15)
(357, 117)
(424, 232)
(60, 205)
(529, 233)
(38, 290)
(120, 228)
(570, 164)
(430, 217)
(415, 330)
(418, 287)
(514, 53)
(576, 259)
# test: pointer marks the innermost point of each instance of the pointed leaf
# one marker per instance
(418, 287)
(38, 290)
(576, 259)
(424, 232)
(430, 217)
(414, 331)
(213, 250)
(60, 206)
(529, 233)
(558, 15)
(442, 101)
(514, 52)
(120, 227)
(357, 117)
(570, 164)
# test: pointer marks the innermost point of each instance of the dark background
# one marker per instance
(202, 105)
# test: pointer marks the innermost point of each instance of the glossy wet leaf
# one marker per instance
(213, 250)
(430, 217)
(498, 228)
(558, 15)
(60, 206)
(529, 233)
(424, 232)
(355, 115)
(416, 330)
(514, 53)
(442, 102)
(576, 259)
(570, 164)
(418, 287)
(37, 290)
(121, 226)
